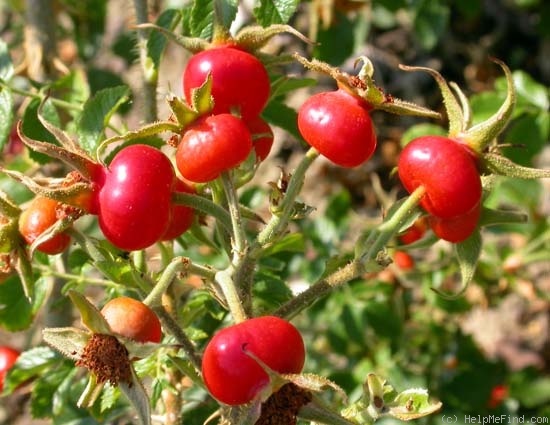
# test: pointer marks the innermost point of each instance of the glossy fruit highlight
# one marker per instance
(448, 172)
(132, 319)
(232, 376)
(339, 126)
(135, 199)
(212, 145)
(240, 83)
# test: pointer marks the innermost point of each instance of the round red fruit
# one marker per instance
(403, 260)
(212, 145)
(135, 199)
(448, 172)
(132, 319)
(339, 126)
(240, 82)
(456, 229)
(181, 217)
(232, 376)
(41, 214)
(262, 136)
(8, 357)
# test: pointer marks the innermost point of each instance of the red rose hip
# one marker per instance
(448, 172)
(339, 126)
(232, 376)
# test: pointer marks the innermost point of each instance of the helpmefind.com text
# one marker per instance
(494, 419)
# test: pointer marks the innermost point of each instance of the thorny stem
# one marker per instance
(278, 222)
(362, 262)
(149, 73)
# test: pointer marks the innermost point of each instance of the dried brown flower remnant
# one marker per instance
(107, 359)
(282, 407)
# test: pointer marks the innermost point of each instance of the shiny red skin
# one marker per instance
(8, 357)
(40, 215)
(448, 172)
(135, 199)
(339, 126)
(456, 229)
(181, 217)
(232, 376)
(240, 82)
(262, 136)
(212, 145)
(132, 319)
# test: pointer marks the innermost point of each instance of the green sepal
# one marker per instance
(90, 315)
(91, 393)
(183, 113)
(490, 217)
(192, 44)
(8, 208)
(147, 130)
(457, 123)
(68, 341)
(136, 395)
(412, 404)
(254, 37)
(364, 87)
(502, 166)
(75, 157)
(467, 253)
(23, 266)
(201, 97)
(481, 135)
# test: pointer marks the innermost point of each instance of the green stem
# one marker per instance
(167, 277)
(204, 205)
(277, 224)
(361, 264)
(224, 278)
(69, 276)
(57, 102)
(149, 73)
(239, 238)
(177, 332)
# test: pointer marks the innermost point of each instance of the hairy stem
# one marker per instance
(149, 73)
(362, 262)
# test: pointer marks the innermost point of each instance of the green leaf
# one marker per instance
(29, 364)
(431, 20)
(527, 135)
(6, 116)
(423, 129)
(44, 391)
(293, 242)
(90, 315)
(6, 65)
(268, 12)
(157, 41)
(530, 91)
(286, 84)
(96, 115)
(335, 44)
(16, 311)
(283, 116)
(201, 22)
